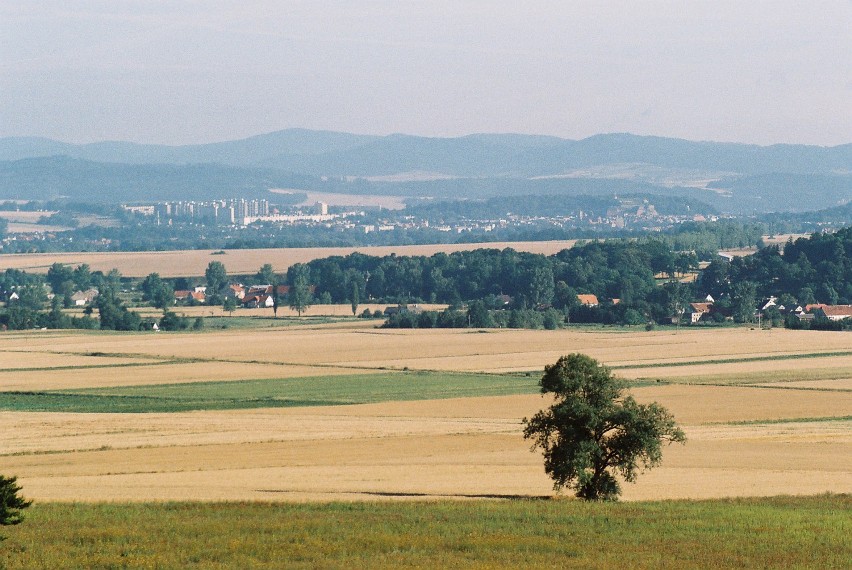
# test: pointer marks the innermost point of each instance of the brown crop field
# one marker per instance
(192, 263)
(765, 412)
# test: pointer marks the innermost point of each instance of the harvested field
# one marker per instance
(158, 372)
(192, 263)
(358, 345)
(742, 372)
(25, 228)
(790, 436)
(781, 239)
(839, 384)
(723, 404)
(26, 217)
(39, 361)
(362, 346)
(388, 451)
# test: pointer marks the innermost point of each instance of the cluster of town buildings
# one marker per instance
(233, 212)
(631, 213)
(628, 214)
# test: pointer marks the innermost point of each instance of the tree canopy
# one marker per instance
(216, 276)
(594, 432)
(299, 296)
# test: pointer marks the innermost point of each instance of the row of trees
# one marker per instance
(613, 269)
(477, 316)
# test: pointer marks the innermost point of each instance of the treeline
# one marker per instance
(623, 271)
(707, 238)
(478, 315)
(809, 270)
(808, 222)
(632, 281)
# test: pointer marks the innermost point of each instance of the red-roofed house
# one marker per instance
(699, 310)
(235, 291)
(588, 300)
(186, 296)
(258, 301)
(836, 312)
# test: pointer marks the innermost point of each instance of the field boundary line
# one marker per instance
(815, 419)
(733, 360)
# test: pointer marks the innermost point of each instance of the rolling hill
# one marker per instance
(735, 178)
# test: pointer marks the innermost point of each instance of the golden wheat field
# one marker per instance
(765, 413)
(190, 263)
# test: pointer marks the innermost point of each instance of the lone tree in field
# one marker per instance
(593, 431)
(11, 503)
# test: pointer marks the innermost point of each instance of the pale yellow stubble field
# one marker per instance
(468, 446)
(361, 345)
(192, 263)
(455, 448)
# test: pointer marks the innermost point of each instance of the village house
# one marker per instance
(258, 290)
(699, 311)
(835, 312)
(400, 309)
(588, 300)
(83, 298)
(235, 291)
(185, 296)
(256, 301)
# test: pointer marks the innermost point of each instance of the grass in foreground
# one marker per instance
(782, 532)
(284, 392)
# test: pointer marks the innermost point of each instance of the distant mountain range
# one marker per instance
(731, 177)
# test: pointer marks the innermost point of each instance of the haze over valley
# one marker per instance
(732, 178)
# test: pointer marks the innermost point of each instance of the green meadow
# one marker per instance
(284, 392)
(781, 532)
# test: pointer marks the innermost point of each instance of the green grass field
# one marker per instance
(284, 392)
(782, 532)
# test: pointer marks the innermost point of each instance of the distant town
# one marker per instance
(626, 213)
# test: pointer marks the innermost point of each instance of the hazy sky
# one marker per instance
(200, 71)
